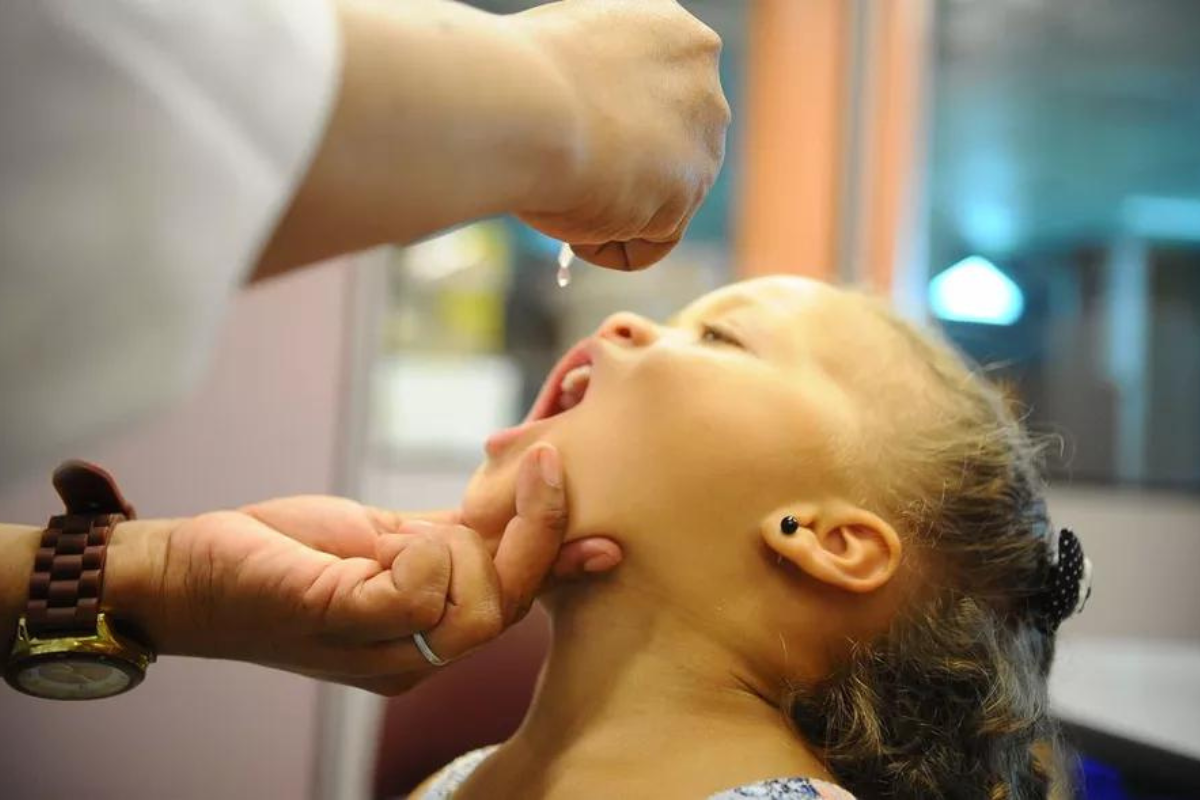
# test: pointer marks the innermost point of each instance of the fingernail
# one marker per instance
(415, 526)
(551, 469)
(599, 563)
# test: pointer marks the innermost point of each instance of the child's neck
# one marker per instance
(636, 701)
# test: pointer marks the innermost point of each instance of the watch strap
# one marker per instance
(87, 489)
(68, 571)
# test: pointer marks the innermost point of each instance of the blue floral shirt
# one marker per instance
(457, 772)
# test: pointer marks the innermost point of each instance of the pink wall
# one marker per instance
(263, 423)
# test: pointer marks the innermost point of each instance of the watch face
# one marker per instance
(77, 677)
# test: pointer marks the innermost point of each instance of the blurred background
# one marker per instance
(1026, 172)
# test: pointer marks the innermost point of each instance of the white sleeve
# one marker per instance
(147, 149)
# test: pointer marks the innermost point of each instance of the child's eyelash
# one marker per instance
(713, 333)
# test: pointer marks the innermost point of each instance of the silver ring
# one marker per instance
(427, 651)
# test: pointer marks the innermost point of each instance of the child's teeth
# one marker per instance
(576, 378)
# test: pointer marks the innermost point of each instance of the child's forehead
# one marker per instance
(780, 294)
(843, 330)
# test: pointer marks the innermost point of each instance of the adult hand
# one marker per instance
(333, 589)
(646, 94)
(599, 122)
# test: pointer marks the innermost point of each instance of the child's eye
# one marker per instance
(713, 334)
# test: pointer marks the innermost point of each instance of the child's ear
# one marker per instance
(837, 543)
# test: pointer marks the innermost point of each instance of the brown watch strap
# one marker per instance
(68, 572)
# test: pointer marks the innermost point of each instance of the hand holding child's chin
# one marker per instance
(490, 504)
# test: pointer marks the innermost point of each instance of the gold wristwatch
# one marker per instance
(66, 647)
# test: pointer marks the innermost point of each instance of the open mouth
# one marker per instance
(566, 385)
(565, 388)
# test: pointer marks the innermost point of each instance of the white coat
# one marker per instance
(147, 149)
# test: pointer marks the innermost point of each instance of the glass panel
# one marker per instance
(1065, 227)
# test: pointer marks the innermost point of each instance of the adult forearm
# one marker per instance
(18, 545)
(445, 114)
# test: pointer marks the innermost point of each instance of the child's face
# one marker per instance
(748, 400)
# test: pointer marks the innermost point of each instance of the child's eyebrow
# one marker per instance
(727, 303)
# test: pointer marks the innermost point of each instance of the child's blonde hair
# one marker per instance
(951, 702)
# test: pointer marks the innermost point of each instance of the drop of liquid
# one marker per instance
(565, 257)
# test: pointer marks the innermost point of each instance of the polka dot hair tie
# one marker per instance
(1068, 582)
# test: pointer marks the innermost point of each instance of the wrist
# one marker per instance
(135, 579)
(559, 140)
(498, 121)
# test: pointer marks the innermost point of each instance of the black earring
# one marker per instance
(789, 525)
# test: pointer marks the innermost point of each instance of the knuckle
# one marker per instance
(425, 609)
(485, 623)
(320, 603)
(704, 37)
(521, 608)
(383, 520)
(466, 536)
(662, 229)
(553, 516)
(724, 111)
(711, 39)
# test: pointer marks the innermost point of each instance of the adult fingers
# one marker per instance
(390, 668)
(532, 539)
(449, 561)
(332, 525)
(585, 557)
(407, 596)
(445, 516)
(628, 256)
(474, 609)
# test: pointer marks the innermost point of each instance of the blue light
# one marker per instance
(975, 290)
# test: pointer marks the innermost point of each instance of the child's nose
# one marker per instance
(629, 329)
